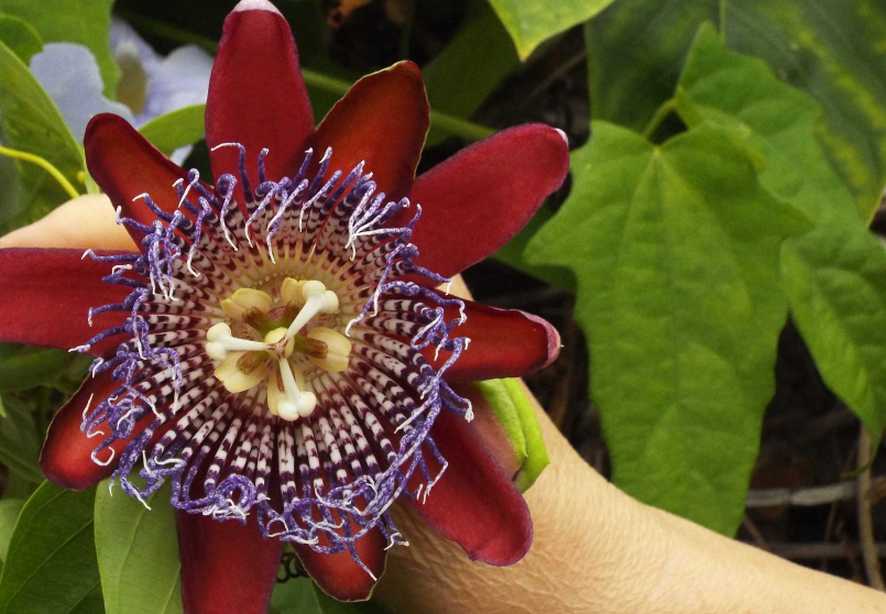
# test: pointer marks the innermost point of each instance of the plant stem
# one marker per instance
(865, 523)
(43, 163)
(667, 107)
(451, 124)
(722, 20)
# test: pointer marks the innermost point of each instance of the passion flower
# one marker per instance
(277, 348)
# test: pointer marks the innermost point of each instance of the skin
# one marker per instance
(595, 549)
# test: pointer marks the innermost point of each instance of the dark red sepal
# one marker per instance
(227, 567)
(256, 94)
(504, 343)
(48, 295)
(477, 200)
(339, 576)
(126, 165)
(475, 504)
(382, 120)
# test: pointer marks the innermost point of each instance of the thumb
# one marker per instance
(83, 222)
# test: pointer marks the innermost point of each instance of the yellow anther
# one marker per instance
(291, 291)
(235, 378)
(245, 301)
(338, 349)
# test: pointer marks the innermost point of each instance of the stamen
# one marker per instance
(220, 341)
(317, 300)
(295, 403)
(245, 300)
(337, 352)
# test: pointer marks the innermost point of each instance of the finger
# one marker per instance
(84, 222)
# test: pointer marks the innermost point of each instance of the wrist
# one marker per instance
(593, 547)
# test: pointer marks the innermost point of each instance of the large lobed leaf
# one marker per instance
(682, 376)
(836, 281)
(738, 91)
(832, 50)
(833, 276)
(675, 249)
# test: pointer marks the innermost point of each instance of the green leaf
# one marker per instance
(19, 441)
(834, 276)
(635, 53)
(175, 129)
(296, 596)
(675, 249)
(512, 254)
(832, 50)
(51, 565)
(30, 121)
(836, 282)
(137, 553)
(457, 63)
(9, 511)
(87, 22)
(19, 36)
(514, 411)
(23, 367)
(740, 92)
(531, 22)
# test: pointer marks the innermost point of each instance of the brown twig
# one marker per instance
(806, 497)
(870, 555)
(751, 527)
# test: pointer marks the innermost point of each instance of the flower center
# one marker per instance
(275, 339)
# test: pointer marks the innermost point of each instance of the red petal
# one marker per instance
(50, 292)
(256, 94)
(126, 165)
(66, 458)
(382, 120)
(339, 576)
(226, 566)
(474, 503)
(504, 343)
(474, 202)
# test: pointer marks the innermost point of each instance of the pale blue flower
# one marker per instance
(150, 84)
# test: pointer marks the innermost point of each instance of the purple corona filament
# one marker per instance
(324, 480)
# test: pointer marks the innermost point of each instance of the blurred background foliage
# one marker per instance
(713, 263)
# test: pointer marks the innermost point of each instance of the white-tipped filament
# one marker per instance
(317, 299)
(220, 341)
